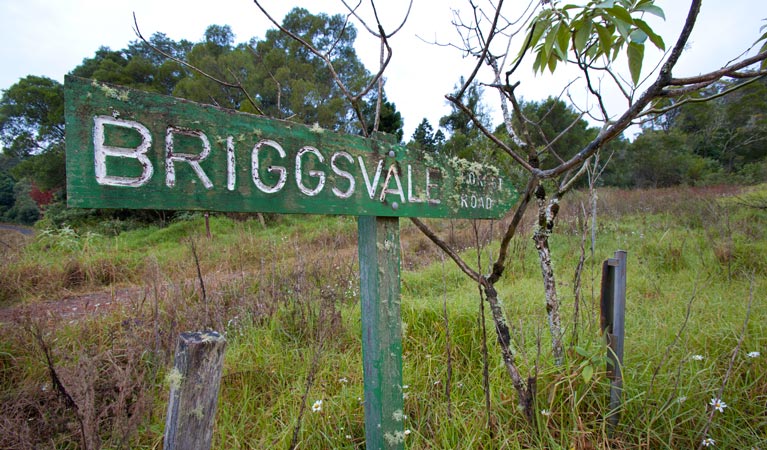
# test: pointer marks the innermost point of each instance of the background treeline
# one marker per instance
(717, 141)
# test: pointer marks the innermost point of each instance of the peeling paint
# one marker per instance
(117, 94)
(395, 438)
(398, 415)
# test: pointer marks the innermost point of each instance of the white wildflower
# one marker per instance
(717, 404)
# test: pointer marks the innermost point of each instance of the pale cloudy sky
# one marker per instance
(43, 37)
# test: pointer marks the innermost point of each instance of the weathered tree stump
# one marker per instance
(194, 382)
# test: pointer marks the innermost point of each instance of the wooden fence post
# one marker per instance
(194, 382)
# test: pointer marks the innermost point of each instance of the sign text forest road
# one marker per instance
(132, 149)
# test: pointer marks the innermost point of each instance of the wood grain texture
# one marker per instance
(194, 384)
(379, 249)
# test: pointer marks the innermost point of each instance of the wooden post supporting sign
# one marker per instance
(379, 249)
(136, 150)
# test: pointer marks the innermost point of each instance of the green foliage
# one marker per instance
(465, 138)
(713, 139)
(598, 29)
(47, 170)
(24, 210)
(425, 138)
(31, 116)
(7, 196)
(390, 121)
(291, 82)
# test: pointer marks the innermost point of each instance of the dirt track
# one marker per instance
(23, 230)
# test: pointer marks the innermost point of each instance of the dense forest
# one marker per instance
(712, 139)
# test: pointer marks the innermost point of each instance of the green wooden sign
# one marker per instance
(133, 149)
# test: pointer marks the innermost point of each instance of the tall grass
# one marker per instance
(280, 294)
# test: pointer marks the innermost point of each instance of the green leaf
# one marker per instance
(605, 39)
(537, 30)
(563, 42)
(620, 13)
(582, 351)
(605, 4)
(652, 9)
(582, 33)
(617, 49)
(553, 59)
(540, 61)
(636, 56)
(587, 373)
(551, 39)
(654, 38)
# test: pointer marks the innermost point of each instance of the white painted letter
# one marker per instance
(386, 190)
(273, 169)
(231, 173)
(193, 160)
(314, 173)
(410, 197)
(344, 174)
(101, 151)
(371, 187)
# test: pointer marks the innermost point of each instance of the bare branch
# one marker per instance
(474, 275)
(567, 185)
(550, 146)
(729, 90)
(511, 230)
(353, 11)
(484, 53)
(721, 73)
(521, 161)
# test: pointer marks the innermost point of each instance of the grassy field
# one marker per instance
(287, 295)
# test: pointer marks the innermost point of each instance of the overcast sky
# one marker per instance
(50, 38)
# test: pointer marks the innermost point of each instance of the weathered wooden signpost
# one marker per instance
(132, 149)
